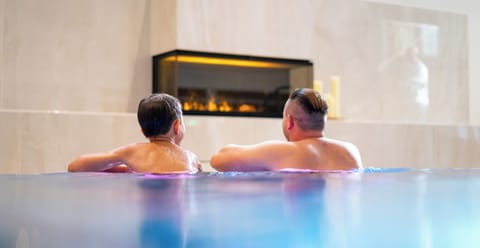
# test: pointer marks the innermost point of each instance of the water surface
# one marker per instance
(375, 208)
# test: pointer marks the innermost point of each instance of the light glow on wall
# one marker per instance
(226, 62)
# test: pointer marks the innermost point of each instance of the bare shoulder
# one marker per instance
(339, 143)
(129, 147)
(348, 147)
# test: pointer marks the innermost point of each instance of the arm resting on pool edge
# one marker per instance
(95, 162)
(264, 156)
(122, 168)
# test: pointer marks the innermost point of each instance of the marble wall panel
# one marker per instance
(206, 135)
(267, 129)
(363, 138)
(474, 64)
(395, 145)
(10, 131)
(89, 56)
(456, 147)
(396, 63)
(163, 30)
(2, 25)
(268, 28)
(49, 141)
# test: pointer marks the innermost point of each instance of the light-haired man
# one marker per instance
(304, 119)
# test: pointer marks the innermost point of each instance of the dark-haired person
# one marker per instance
(304, 118)
(161, 120)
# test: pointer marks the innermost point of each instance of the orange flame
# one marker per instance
(224, 106)
(247, 108)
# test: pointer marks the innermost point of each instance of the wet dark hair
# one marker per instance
(314, 105)
(156, 113)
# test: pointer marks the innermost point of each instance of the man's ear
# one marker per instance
(290, 122)
(176, 126)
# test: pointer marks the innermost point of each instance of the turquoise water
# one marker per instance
(375, 208)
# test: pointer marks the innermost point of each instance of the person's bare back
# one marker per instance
(158, 157)
(161, 120)
(323, 154)
(306, 148)
(306, 154)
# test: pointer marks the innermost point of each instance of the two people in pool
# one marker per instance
(160, 117)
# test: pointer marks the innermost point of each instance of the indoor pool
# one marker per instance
(375, 208)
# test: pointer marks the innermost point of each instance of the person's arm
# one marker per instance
(261, 157)
(122, 168)
(95, 162)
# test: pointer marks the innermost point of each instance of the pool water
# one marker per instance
(375, 208)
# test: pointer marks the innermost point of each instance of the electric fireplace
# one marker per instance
(229, 85)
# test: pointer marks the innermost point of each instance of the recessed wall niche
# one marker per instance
(227, 84)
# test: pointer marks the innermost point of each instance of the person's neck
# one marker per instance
(162, 139)
(309, 135)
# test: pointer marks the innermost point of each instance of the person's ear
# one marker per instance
(290, 122)
(176, 126)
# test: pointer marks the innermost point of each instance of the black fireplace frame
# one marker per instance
(171, 85)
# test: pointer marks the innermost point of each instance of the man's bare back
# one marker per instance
(323, 154)
(160, 117)
(158, 157)
(310, 154)
(303, 122)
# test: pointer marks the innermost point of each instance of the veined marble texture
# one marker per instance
(70, 55)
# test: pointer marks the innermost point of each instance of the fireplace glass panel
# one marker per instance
(233, 85)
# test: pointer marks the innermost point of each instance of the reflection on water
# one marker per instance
(162, 208)
(304, 204)
(377, 208)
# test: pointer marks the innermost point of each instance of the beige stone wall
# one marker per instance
(72, 72)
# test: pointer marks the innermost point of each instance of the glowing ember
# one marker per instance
(212, 106)
(223, 106)
(247, 108)
(187, 106)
